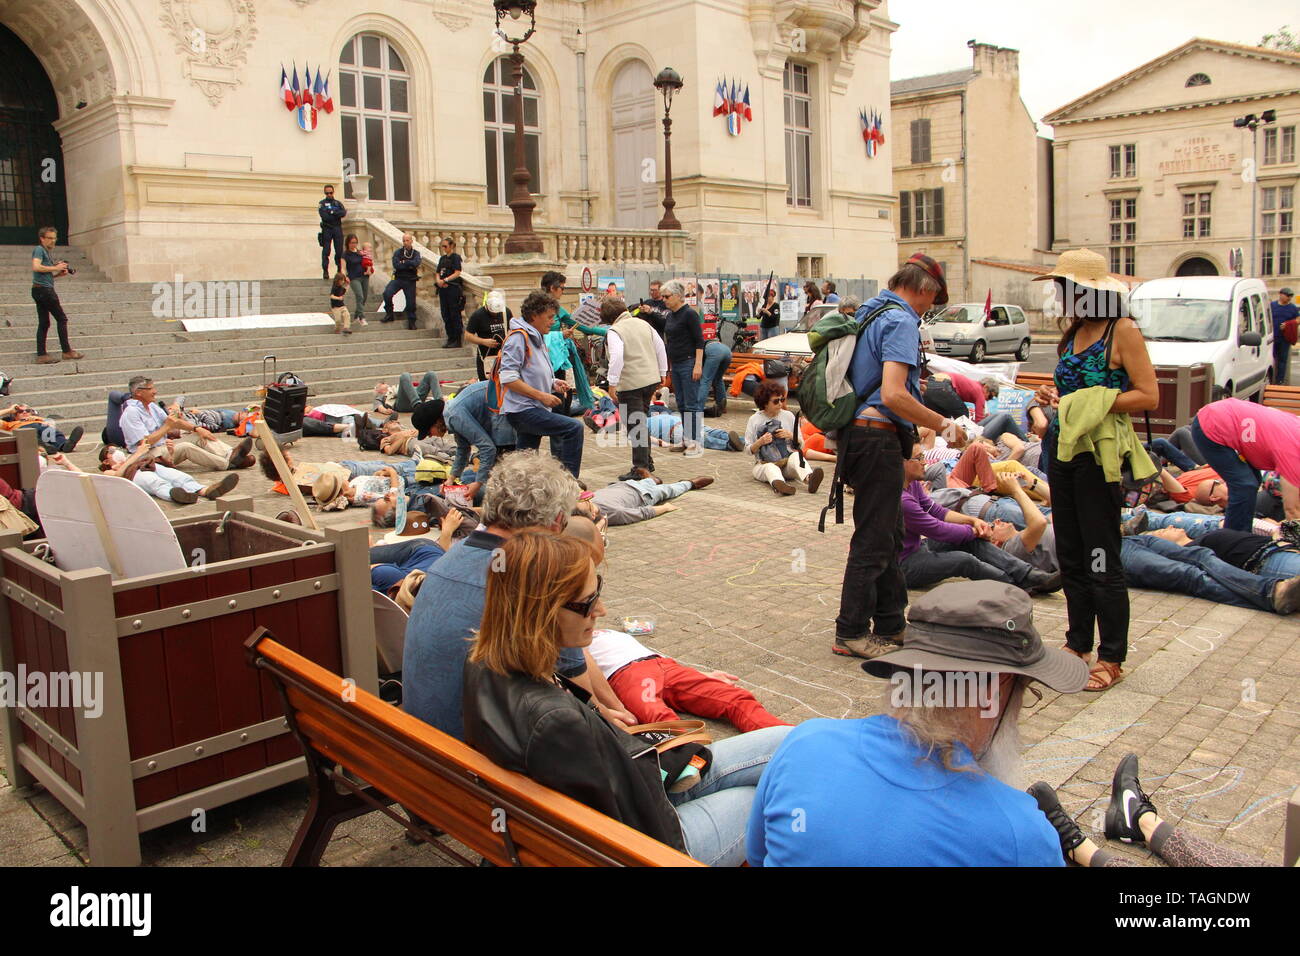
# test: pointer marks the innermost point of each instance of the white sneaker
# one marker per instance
(694, 451)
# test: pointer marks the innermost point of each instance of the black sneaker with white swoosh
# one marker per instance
(1127, 803)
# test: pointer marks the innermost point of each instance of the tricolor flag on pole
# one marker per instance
(318, 92)
(297, 93)
(719, 101)
(285, 91)
(749, 113)
(733, 110)
(329, 97)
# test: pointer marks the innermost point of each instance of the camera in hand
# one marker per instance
(71, 271)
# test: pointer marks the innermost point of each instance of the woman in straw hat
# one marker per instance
(1101, 346)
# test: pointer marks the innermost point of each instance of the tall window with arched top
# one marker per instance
(499, 130)
(374, 94)
(1198, 79)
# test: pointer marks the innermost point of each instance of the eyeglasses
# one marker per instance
(583, 608)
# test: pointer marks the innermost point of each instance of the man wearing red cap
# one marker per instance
(886, 371)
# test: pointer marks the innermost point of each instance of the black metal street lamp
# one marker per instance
(1252, 122)
(668, 82)
(522, 238)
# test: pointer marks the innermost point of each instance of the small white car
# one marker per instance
(961, 331)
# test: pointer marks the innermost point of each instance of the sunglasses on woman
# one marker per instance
(583, 608)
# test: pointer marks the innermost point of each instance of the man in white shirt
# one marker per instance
(637, 366)
(143, 420)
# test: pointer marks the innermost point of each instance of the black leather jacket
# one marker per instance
(561, 741)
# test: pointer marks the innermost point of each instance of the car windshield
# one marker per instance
(956, 314)
(813, 316)
(1182, 320)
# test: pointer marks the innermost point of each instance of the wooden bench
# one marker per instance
(379, 755)
(1285, 397)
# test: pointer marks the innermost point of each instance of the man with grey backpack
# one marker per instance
(885, 376)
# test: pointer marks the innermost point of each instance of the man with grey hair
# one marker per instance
(942, 760)
(685, 361)
(144, 421)
(527, 491)
(849, 304)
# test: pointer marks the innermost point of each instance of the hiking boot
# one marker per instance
(218, 488)
(701, 482)
(73, 355)
(815, 480)
(735, 442)
(183, 497)
(589, 419)
(867, 647)
(239, 453)
(1066, 829)
(46, 360)
(1127, 803)
(1042, 582)
(782, 487)
(1136, 524)
(74, 436)
(1286, 595)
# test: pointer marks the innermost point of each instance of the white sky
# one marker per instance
(1067, 50)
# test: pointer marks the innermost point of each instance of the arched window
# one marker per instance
(1198, 79)
(499, 130)
(375, 116)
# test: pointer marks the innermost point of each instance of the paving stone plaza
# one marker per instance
(741, 580)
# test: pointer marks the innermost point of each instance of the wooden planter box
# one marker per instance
(186, 724)
(1183, 390)
(18, 458)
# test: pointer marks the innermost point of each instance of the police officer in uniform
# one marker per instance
(331, 231)
(451, 295)
(406, 270)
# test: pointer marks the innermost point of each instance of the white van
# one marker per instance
(1216, 320)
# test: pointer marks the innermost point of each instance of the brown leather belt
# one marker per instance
(875, 423)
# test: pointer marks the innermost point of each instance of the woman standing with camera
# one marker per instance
(1101, 348)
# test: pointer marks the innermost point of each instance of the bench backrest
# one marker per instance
(1285, 397)
(503, 816)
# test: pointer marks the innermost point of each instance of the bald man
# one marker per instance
(406, 271)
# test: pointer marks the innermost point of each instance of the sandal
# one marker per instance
(1104, 675)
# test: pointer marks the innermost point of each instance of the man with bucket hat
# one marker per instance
(929, 782)
(885, 375)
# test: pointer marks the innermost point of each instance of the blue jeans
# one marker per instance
(1195, 525)
(715, 439)
(566, 434)
(1161, 565)
(687, 392)
(1242, 480)
(656, 494)
(717, 359)
(469, 431)
(1164, 448)
(1279, 563)
(975, 560)
(714, 814)
(994, 425)
(764, 333)
(1281, 362)
(1002, 509)
(361, 469)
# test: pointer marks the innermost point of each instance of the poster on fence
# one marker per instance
(612, 285)
(709, 297)
(729, 308)
(692, 290)
(751, 290)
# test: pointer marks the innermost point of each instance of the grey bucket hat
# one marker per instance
(983, 627)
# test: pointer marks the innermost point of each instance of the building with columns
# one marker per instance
(154, 133)
(1151, 170)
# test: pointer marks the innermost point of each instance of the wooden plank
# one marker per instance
(272, 448)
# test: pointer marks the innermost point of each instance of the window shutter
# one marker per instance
(938, 212)
(905, 215)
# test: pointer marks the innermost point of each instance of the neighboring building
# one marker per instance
(969, 168)
(1150, 170)
(178, 154)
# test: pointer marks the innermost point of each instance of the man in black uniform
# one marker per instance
(331, 231)
(406, 270)
(451, 295)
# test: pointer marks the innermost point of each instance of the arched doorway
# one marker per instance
(632, 106)
(1197, 266)
(31, 155)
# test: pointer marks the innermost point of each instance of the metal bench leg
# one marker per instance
(327, 809)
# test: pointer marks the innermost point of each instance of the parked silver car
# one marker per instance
(961, 331)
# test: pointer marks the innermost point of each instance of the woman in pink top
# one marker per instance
(1241, 439)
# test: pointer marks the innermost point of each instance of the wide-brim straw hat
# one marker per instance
(1086, 268)
(326, 488)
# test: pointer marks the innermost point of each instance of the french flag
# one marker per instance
(297, 93)
(318, 91)
(719, 101)
(733, 110)
(328, 104)
(285, 91)
(745, 107)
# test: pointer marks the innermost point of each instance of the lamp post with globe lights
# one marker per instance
(522, 238)
(668, 82)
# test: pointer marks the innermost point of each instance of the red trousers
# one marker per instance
(974, 464)
(651, 690)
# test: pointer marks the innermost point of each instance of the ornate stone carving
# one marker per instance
(453, 14)
(826, 30)
(213, 36)
(68, 46)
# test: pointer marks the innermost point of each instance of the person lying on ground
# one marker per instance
(946, 765)
(653, 687)
(306, 473)
(526, 490)
(213, 419)
(665, 430)
(405, 395)
(940, 544)
(976, 468)
(51, 439)
(977, 504)
(390, 563)
(24, 499)
(142, 469)
(1276, 555)
(638, 499)
(813, 442)
(1131, 817)
(145, 422)
(545, 598)
(769, 437)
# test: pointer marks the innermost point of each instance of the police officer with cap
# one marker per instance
(331, 231)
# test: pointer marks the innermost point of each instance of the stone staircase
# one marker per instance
(114, 324)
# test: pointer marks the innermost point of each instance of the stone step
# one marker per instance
(76, 291)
